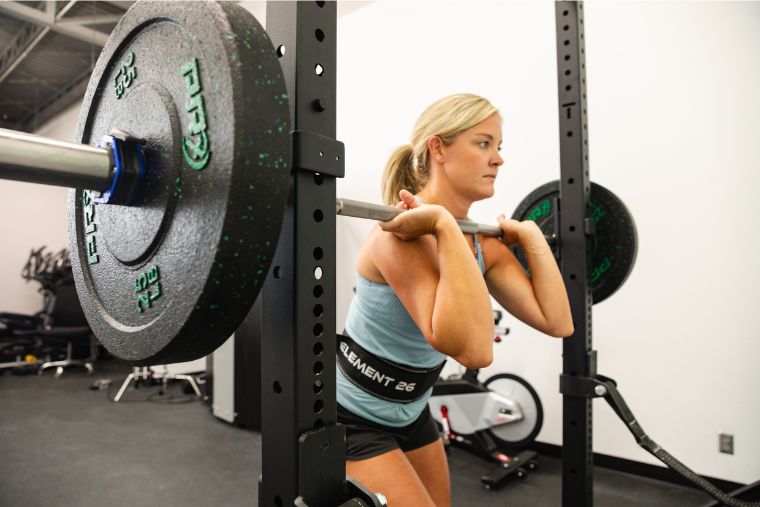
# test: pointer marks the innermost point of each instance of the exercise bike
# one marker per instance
(497, 419)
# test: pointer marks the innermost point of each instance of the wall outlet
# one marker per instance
(726, 443)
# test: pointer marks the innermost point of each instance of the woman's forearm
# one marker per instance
(548, 285)
(462, 316)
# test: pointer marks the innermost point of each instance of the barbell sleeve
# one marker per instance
(37, 159)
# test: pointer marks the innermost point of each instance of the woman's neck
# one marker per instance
(434, 193)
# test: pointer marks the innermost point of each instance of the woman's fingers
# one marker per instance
(395, 226)
(508, 226)
(408, 199)
(416, 220)
(387, 226)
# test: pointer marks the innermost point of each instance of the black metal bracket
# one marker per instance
(557, 228)
(600, 386)
(319, 154)
(320, 451)
(581, 387)
(584, 386)
(589, 227)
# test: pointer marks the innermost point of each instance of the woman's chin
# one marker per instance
(480, 192)
(487, 192)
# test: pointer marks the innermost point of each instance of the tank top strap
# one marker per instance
(479, 254)
(478, 249)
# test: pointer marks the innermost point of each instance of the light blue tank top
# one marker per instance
(379, 322)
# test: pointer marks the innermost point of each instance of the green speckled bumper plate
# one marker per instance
(170, 278)
(611, 251)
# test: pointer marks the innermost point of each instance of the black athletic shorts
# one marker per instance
(366, 439)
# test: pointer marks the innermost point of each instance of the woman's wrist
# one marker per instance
(445, 221)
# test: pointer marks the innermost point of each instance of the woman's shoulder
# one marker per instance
(382, 251)
(365, 265)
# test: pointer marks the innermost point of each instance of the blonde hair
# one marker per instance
(408, 168)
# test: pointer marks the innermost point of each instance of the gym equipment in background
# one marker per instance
(497, 420)
(48, 338)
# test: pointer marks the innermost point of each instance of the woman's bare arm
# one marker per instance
(539, 300)
(438, 281)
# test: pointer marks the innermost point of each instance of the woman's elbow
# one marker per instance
(473, 358)
(562, 331)
(476, 359)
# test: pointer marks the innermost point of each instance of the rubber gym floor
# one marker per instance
(63, 444)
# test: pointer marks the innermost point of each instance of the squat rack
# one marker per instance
(304, 450)
(578, 357)
(304, 453)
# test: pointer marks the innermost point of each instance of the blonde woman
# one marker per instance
(423, 294)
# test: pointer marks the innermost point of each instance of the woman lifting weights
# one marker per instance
(423, 294)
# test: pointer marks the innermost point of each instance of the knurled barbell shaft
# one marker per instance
(37, 159)
(361, 209)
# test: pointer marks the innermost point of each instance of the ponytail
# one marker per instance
(399, 174)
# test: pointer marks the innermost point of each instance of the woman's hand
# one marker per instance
(526, 233)
(417, 220)
(511, 230)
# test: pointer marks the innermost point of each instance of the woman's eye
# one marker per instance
(484, 144)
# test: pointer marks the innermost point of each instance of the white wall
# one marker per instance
(32, 216)
(673, 113)
(674, 118)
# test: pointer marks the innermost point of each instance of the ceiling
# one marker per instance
(47, 52)
(49, 48)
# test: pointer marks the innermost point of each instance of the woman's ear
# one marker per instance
(436, 148)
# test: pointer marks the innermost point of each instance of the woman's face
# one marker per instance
(472, 161)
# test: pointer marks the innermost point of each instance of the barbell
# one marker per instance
(180, 175)
(115, 173)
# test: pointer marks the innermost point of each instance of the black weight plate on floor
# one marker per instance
(170, 278)
(611, 251)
